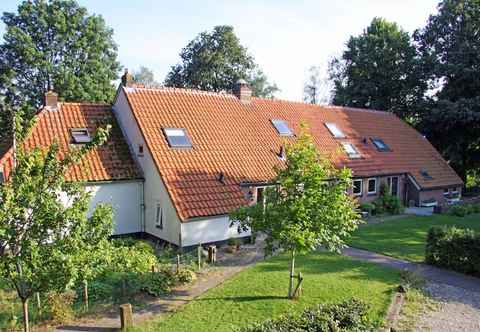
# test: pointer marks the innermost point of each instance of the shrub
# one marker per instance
(185, 276)
(454, 248)
(387, 203)
(458, 210)
(158, 283)
(367, 207)
(346, 316)
(60, 306)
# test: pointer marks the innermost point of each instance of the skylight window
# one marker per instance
(334, 130)
(177, 138)
(80, 135)
(351, 150)
(425, 174)
(380, 145)
(282, 127)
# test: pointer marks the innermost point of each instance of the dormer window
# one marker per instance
(282, 127)
(80, 135)
(177, 138)
(351, 150)
(334, 130)
(380, 145)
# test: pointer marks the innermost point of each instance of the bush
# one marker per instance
(387, 203)
(60, 306)
(346, 316)
(454, 248)
(185, 276)
(461, 210)
(367, 207)
(158, 283)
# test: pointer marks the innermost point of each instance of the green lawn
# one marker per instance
(258, 293)
(405, 238)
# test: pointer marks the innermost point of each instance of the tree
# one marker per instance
(43, 222)
(144, 76)
(378, 70)
(308, 207)
(316, 89)
(450, 50)
(56, 44)
(215, 61)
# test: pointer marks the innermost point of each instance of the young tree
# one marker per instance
(378, 70)
(43, 222)
(449, 46)
(215, 61)
(308, 207)
(56, 44)
(317, 89)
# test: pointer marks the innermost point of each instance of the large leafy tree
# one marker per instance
(56, 44)
(214, 61)
(308, 207)
(378, 70)
(450, 50)
(44, 228)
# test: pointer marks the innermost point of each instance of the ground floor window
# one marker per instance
(372, 186)
(393, 185)
(357, 187)
(260, 195)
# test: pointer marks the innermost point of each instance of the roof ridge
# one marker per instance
(75, 103)
(182, 90)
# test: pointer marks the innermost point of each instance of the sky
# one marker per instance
(286, 37)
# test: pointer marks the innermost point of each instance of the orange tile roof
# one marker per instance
(239, 140)
(111, 161)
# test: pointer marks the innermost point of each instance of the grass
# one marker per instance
(405, 237)
(258, 293)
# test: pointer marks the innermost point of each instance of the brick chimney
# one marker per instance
(127, 79)
(51, 99)
(242, 91)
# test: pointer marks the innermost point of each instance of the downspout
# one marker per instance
(142, 208)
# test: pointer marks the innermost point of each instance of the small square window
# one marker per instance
(282, 128)
(177, 138)
(159, 217)
(372, 186)
(380, 145)
(80, 135)
(455, 190)
(446, 191)
(334, 130)
(351, 150)
(357, 187)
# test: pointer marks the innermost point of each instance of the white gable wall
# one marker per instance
(154, 189)
(125, 197)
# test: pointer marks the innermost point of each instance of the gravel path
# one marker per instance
(458, 310)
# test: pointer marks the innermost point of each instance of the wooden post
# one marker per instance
(212, 254)
(39, 303)
(298, 290)
(153, 268)
(292, 276)
(85, 294)
(178, 262)
(199, 256)
(126, 316)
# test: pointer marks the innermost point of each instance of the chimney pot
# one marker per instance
(51, 99)
(127, 79)
(242, 91)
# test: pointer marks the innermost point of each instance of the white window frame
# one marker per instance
(354, 154)
(175, 132)
(159, 216)
(80, 135)
(446, 191)
(256, 194)
(455, 190)
(368, 186)
(276, 122)
(334, 130)
(361, 187)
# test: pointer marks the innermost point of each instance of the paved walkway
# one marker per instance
(428, 272)
(227, 266)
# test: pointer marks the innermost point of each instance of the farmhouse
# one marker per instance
(178, 160)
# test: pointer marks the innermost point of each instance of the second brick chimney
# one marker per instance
(127, 79)
(242, 91)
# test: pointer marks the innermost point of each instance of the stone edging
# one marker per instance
(393, 313)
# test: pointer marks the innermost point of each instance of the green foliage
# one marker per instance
(378, 70)
(56, 44)
(387, 203)
(185, 276)
(346, 316)
(368, 207)
(215, 61)
(145, 76)
(461, 210)
(454, 248)
(449, 47)
(308, 207)
(411, 279)
(158, 283)
(60, 306)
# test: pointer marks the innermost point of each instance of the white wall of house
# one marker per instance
(155, 192)
(126, 200)
(209, 230)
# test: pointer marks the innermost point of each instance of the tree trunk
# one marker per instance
(292, 275)
(26, 327)
(85, 294)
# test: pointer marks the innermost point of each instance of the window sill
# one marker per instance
(372, 194)
(159, 227)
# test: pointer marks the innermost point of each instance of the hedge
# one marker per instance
(346, 316)
(454, 248)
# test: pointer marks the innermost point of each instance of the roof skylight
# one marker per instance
(380, 144)
(177, 138)
(282, 127)
(334, 130)
(425, 174)
(351, 150)
(80, 135)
